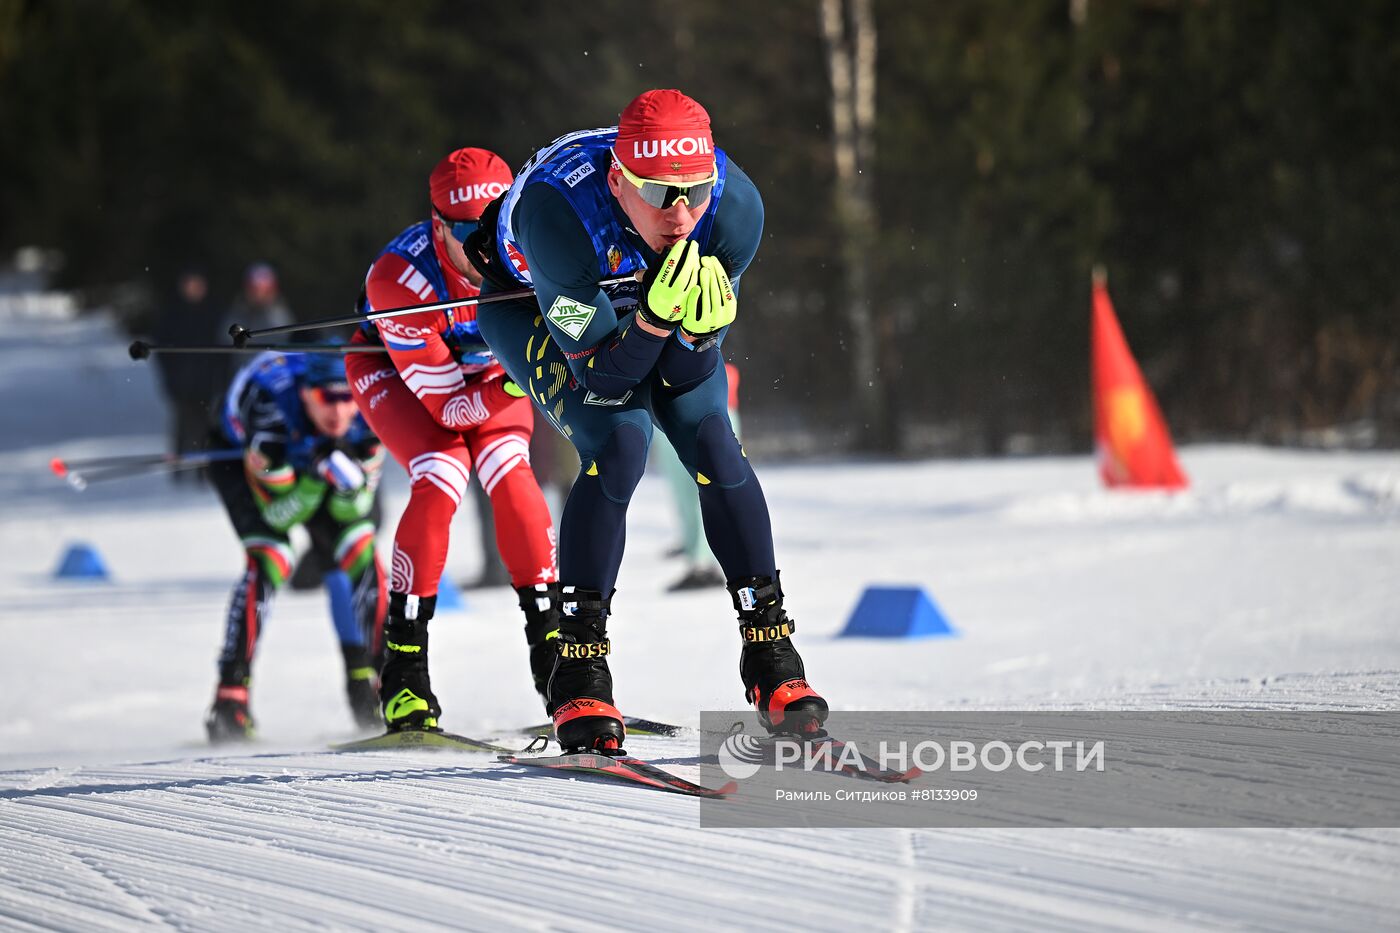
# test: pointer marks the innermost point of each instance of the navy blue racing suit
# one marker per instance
(605, 383)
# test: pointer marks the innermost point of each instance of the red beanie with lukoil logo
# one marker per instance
(664, 132)
(466, 181)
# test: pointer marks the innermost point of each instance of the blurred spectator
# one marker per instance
(190, 383)
(258, 305)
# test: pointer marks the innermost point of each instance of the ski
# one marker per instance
(623, 768)
(634, 725)
(869, 769)
(834, 752)
(421, 738)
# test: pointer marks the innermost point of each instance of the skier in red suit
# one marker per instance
(442, 405)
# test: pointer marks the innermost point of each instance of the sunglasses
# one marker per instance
(328, 395)
(461, 229)
(662, 194)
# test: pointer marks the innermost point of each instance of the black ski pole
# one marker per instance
(79, 473)
(61, 466)
(140, 349)
(241, 335)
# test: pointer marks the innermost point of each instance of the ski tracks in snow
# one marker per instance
(410, 844)
(414, 841)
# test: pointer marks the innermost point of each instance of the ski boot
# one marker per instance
(540, 603)
(228, 719)
(770, 667)
(404, 690)
(580, 688)
(361, 687)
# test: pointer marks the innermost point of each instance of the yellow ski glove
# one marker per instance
(717, 305)
(669, 288)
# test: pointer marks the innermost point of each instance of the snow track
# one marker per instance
(397, 841)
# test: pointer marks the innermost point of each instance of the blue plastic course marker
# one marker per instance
(81, 562)
(449, 598)
(897, 612)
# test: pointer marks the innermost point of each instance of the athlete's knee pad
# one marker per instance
(718, 457)
(623, 460)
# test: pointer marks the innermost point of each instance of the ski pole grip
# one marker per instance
(240, 334)
(139, 350)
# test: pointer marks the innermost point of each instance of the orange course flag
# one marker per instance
(1130, 435)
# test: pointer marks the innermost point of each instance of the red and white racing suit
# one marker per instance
(438, 418)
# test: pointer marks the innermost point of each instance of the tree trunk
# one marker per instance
(848, 30)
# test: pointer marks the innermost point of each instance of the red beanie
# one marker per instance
(665, 133)
(466, 181)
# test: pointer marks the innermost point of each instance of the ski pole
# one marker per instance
(241, 335)
(61, 466)
(140, 349)
(79, 473)
(81, 481)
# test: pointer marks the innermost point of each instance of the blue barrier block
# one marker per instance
(449, 598)
(897, 612)
(81, 562)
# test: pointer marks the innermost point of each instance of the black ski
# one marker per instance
(868, 768)
(622, 768)
(635, 726)
(421, 738)
(834, 752)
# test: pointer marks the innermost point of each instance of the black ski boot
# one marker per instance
(540, 603)
(229, 719)
(362, 687)
(770, 667)
(404, 690)
(580, 689)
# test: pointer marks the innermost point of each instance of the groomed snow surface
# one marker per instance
(1273, 583)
